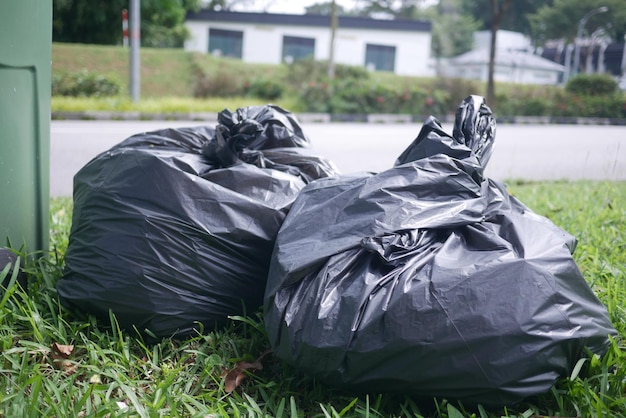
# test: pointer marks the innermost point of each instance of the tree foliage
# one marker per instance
(452, 31)
(516, 18)
(560, 19)
(409, 9)
(100, 22)
(325, 8)
(164, 23)
(218, 5)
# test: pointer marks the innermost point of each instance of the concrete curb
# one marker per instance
(331, 118)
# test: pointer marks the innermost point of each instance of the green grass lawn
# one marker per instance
(57, 364)
(163, 105)
(164, 72)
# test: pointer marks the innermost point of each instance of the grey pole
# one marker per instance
(579, 34)
(135, 39)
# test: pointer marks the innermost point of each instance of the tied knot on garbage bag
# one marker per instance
(173, 230)
(429, 279)
(263, 127)
(267, 137)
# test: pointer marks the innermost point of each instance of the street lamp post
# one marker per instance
(579, 34)
(135, 41)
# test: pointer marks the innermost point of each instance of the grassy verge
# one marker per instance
(167, 75)
(56, 364)
(163, 104)
(164, 72)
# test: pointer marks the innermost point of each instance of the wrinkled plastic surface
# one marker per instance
(429, 280)
(175, 228)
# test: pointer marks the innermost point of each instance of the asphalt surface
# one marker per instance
(522, 151)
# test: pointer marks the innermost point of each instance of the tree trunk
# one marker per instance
(492, 62)
(498, 11)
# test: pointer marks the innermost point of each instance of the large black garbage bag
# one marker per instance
(175, 228)
(429, 280)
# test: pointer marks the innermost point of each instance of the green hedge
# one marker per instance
(586, 95)
(354, 90)
(592, 85)
(84, 83)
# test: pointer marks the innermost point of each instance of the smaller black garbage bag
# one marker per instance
(429, 280)
(173, 230)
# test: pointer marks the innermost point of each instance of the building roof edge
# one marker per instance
(352, 22)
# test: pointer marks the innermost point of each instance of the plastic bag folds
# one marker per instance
(173, 230)
(430, 280)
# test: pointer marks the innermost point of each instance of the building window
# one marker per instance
(380, 57)
(225, 43)
(296, 48)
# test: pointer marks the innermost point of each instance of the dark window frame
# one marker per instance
(298, 47)
(228, 42)
(382, 56)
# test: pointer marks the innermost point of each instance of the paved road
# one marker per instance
(532, 152)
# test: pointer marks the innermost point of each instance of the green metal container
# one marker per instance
(25, 72)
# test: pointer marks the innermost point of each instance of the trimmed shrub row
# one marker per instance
(355, 91)
(85, 84)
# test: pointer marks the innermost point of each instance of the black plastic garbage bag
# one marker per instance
(429, 280)
(175, 228)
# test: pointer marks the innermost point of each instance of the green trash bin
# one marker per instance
(25, 72)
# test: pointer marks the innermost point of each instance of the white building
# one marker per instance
(505, 40)
(510, 66)
(400, 46)
(514, 61)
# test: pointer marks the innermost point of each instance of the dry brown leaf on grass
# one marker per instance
(59, 355)
(237, 374)
(62, 350)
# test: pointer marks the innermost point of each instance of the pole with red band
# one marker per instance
(125, 27)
